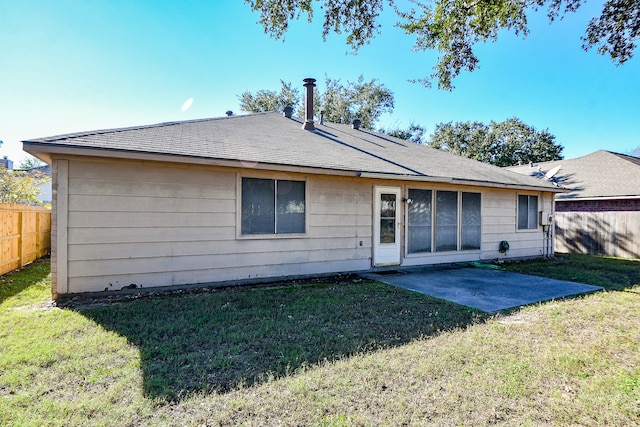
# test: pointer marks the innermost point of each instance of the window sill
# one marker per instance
(271, 236)
(424, 254)
(527, 230)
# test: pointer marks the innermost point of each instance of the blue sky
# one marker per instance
(70, 66)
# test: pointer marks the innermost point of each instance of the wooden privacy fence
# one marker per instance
(25, 235)
(599, 233)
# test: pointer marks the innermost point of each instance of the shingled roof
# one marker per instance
(602, 174)
(271, 141)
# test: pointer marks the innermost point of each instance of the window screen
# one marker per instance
(471, 225)
(527, 212)
(290, 202)
(272, 206)
(446, 221)
(420, 221)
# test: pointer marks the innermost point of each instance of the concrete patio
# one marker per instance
(485, 289)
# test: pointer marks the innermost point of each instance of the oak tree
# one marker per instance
(341, 103)
(269, 100)
(455, 27)
(414, 133)
(507, 143)
(20, 187)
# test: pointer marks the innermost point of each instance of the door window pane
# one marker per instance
(387, 230)
(471, 224)
(446, 221)
(387, 218)
(420, 221)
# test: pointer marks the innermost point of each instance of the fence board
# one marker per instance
(25, 235)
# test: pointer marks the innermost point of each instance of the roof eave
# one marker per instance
(45, 152)
(474, 183)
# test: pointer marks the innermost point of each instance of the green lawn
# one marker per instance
(325, 353)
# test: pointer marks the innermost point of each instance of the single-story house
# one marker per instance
(266, 196)
(601, 213)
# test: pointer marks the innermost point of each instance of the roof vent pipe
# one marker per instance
(229, 113)
(309, 83)
(287, 111)
(356, 124)
(321, 117)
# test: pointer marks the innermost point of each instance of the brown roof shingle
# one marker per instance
(271, 139)
(596, 175)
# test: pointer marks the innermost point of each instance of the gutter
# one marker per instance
(596, 198)
(427, 178)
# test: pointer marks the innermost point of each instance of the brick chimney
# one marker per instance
(309, 83)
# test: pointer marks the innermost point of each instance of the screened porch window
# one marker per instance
(420, 218)
(450, 219)
(527, 212)
(273, 206)
(446, 221)
(471, 224)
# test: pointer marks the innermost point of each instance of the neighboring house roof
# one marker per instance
(599, 175)
(269, 140)
(44, 170)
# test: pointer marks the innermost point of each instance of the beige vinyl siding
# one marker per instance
(153, 224)
(500, 222)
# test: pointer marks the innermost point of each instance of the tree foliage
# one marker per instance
(20, 187)
(269, 100)
(506, 143)
(30, 162)
(454, 27)
(615, 31)
(414, 133)
(364, 100)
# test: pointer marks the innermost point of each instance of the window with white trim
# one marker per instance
(527, 212)
(272, 206)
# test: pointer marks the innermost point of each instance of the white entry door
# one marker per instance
(386, 226)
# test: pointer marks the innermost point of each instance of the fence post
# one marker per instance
(20, 238)
(37, 235)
